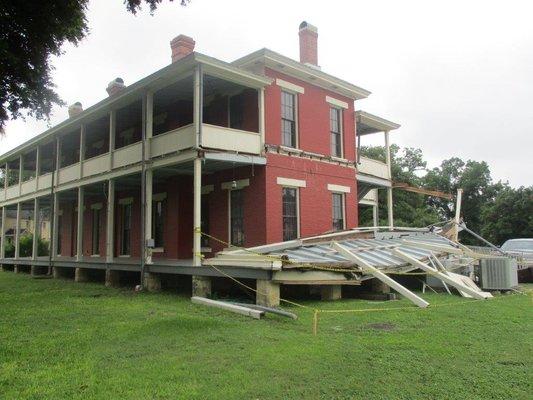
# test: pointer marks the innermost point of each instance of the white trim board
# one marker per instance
(338, 188)
(336, 102)
(291, 182)
(289, 86)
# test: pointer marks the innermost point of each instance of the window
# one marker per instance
(205, 220)
(288, 119)
(157, 223)
(95, 250)
(290, 213)
(338, 211)
(236, 111)
(236, 217)
(335, 129)
(125, 239)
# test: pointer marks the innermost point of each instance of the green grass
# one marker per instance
(62, 340)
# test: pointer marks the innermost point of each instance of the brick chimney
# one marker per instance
(75, 109)
(308, 44)
(181, 47)
(115, 86)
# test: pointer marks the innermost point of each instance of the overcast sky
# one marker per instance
(457, 75)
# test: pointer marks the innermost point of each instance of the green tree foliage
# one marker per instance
(30, 32)
(509, 216)
(494, 210)
(410, 209)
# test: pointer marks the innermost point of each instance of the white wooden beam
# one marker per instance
(444, 277)
(420, 302)
(249, 312)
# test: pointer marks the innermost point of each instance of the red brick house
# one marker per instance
(257, 151)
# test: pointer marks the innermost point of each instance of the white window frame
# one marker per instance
(296, 116)
(158, 197)
(341, 130)
(298, 219)
(343, 206)
(229, 213)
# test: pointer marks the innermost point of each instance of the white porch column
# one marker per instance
(112, 128)
(148, 213)
(389, 189)
(110, 225)
(35, 243)
(197, 236)
(149, 132)
(21, 169)
(55, 226)
(3, 233)
(261, 114)
(79, 235)
(17, 232)
(82, 148)
(197, 108)
(37, 165)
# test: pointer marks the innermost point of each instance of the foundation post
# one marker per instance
(81, 275)
(378, 286)
(152, 282)
(267, 293)
(331, 292)
(112, 278)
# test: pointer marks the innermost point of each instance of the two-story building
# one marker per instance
(199, 156)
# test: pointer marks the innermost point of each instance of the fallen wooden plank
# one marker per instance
(420, 302)
(269, 309)
(257, 314)
(478, 294)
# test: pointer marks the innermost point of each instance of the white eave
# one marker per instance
(301, 71)
(369, 123)
(152, 82)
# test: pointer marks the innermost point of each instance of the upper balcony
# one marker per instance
(373, 173)
(195, 104)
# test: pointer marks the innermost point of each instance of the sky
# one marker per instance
(457, 75)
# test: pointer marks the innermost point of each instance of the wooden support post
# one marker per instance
(420, 302)
(331, 292)
(109, 250)
(79, 231)
(112, 278)
(442, 276)
(112, 127)
(458, 213)
(81, 275)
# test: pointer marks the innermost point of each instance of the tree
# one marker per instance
(478, 190)
(30, 32)
(410, 209)
(509, 216)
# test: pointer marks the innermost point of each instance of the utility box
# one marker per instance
(498, 273)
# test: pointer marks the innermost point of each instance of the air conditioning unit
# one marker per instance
(498, 273)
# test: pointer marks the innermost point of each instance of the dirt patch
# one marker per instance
(382, 326)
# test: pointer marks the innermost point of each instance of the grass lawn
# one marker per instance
(62, 340)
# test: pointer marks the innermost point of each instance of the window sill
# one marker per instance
(290, 149)
(158, 250)
(339, 159)
(95, 255)
(124, 256)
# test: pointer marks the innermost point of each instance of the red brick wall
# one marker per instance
(315, 198)
(313, 117)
